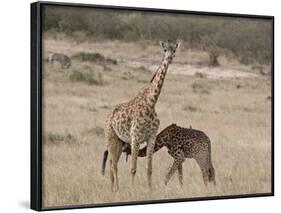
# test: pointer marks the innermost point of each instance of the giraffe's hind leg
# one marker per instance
(114, 150)
(204, 161)
(178, 160)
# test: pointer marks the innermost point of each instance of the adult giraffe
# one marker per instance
(136, 121)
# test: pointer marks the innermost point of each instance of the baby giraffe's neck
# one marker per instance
(161, 141)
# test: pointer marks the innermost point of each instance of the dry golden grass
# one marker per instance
(234, 112)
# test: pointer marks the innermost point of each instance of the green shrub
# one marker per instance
(93, 57)
(98, 131)
(56, 138)
(64, 25)
(76, 76)
(199, 75)
(124, 77)
(88, 107)
(191, 108)
(105, 107)
(143, 81)
(88, 77)
(53, 137)
(201, 87)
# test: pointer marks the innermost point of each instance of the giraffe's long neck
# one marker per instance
(157, 82)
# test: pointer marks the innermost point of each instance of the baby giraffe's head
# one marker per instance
(169, 49)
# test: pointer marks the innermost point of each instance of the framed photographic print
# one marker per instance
(141, 105)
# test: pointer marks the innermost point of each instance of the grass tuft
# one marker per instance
(191, 108)
(98, 131)
(201, 87)
(56, 138)
(199, 75)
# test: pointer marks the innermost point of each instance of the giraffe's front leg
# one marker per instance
(171, 172)
(180, 174)
(179, 159)
(135, 150)
(149, 153)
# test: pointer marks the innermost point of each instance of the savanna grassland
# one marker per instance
(230, 103)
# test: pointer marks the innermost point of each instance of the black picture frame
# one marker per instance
(36, 105)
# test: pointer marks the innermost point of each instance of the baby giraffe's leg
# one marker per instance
(180, 174)
(202, 158)
(179, 159)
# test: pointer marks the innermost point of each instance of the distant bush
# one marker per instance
(201, 87)
(105, 107)
(127, 75)
(89, 108)
(77, 76)
(191, 108)
(64, 25)
(93, 57)
(143, 81)
(124, 77)
(98, 131)
(88, 77)
(55, 138)
(199, 75)
(143, 69)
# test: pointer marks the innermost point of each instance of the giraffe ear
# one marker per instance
(162, 44)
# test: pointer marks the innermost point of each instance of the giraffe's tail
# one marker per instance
(105, 155)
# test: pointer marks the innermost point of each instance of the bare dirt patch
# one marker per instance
(190, 69)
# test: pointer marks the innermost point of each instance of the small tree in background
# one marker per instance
(214, 39)
(212, 44)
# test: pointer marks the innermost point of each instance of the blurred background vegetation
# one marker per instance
(247, 40)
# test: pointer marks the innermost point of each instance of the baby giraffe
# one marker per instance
(183, 143)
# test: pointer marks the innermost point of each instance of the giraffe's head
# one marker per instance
(169, 49)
